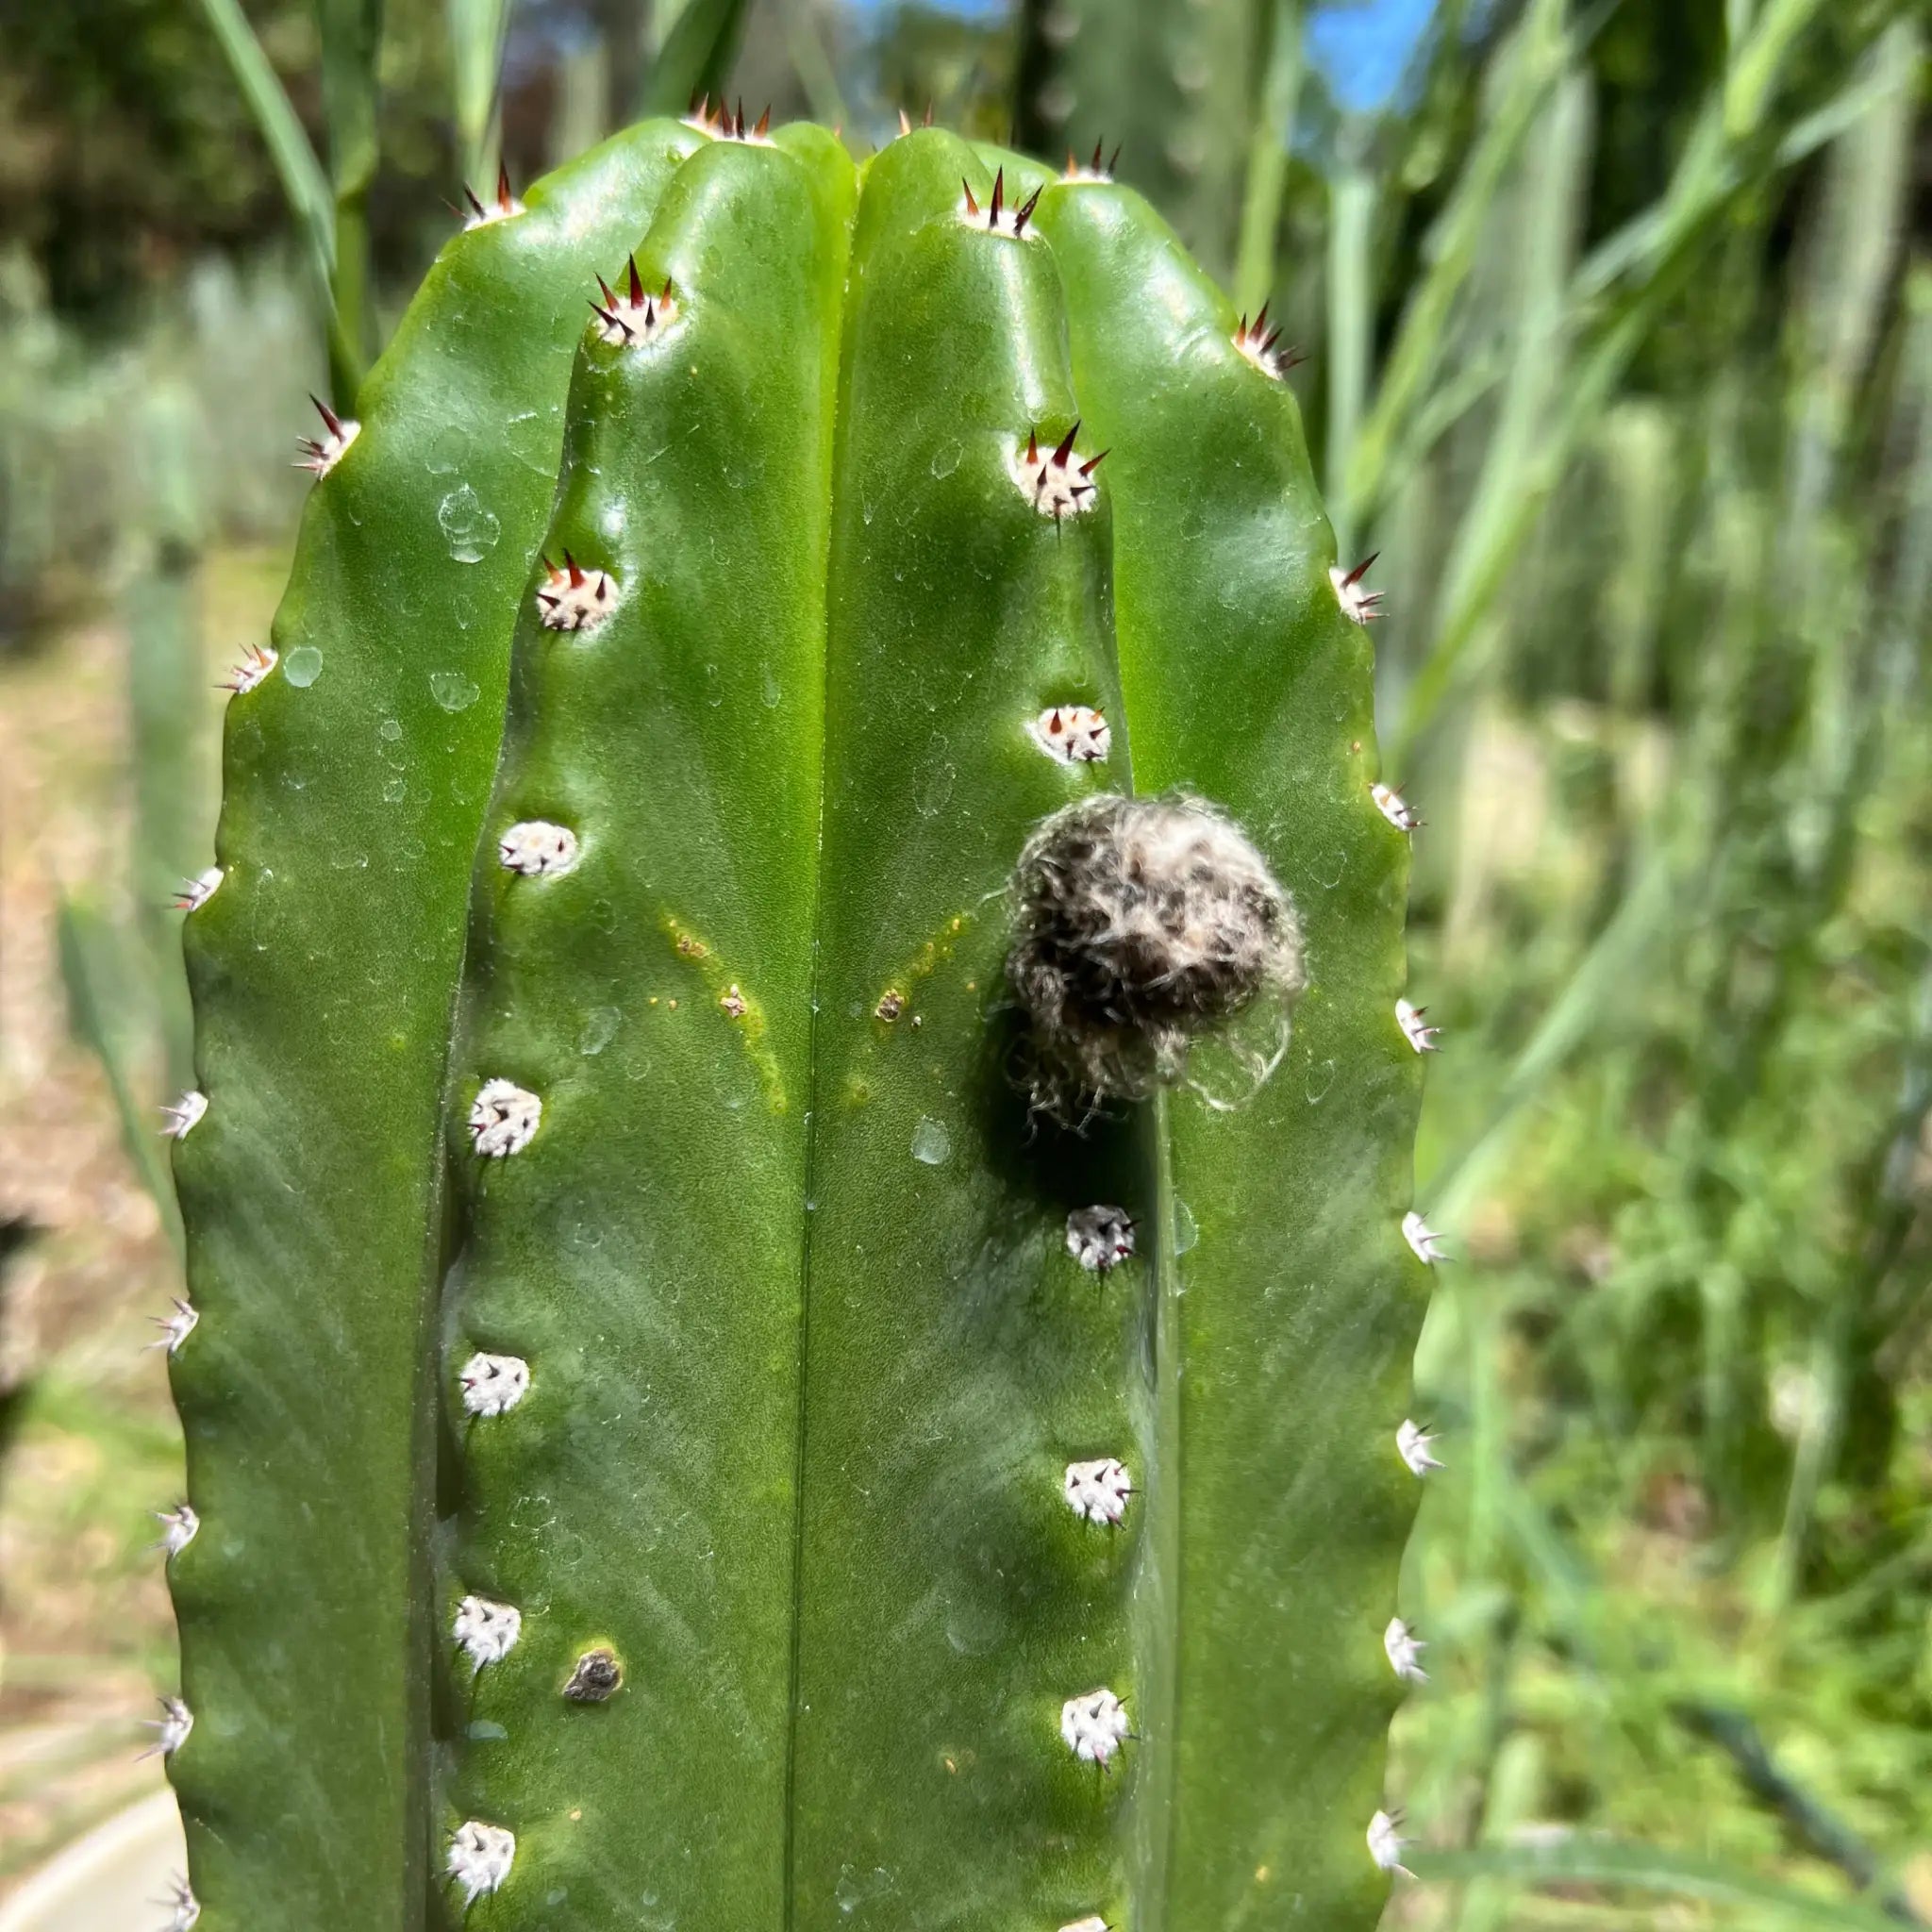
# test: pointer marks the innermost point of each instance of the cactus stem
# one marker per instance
(1423, 1037)
(481, 1857)
(597, 1677)
(504, 1119)
(178, 1527)
(1095, 1727)
(487, 1631)
(1413, 1442)
(182, 1902)
(179, 1119)
(1405, 1650)
(255, 664)
(1391, 804)
(573, 598)
(1424, 1240)
(170, 1728)
(537, 849)
(1100, 1238)
(1386, 1843)
(191, 894)
(1358, 605)
(1075, 734)
(493, 1384)
(175, 1329)
(1098, 1492)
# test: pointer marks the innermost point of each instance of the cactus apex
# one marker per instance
(1094, 1725)
(179, 1118)
(1358, 605)
(1097, 1491)
(191, 894)
(1393, 808)
(257, 660)
(1405, 1650)
(170, 1728)
(1424, 1240)
(319, 454)
(487, 1631)
(1386, 1843)
(1413, 1444)
(493, 1384)
(1423, 1037)
(175, 1329)
(479, 1857)
(1075, 734)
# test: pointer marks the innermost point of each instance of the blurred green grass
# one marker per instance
(1620, 328)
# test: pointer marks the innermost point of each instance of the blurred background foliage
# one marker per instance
(1618, 325)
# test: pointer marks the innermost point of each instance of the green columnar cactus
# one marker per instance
(821, 1338)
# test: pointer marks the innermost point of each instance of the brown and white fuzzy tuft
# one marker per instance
(1140, 924)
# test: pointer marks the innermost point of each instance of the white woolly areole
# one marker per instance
(537, 849)
(487, 1631)
(257, 662)
(176, 1327)
(1423, 1238)
(995, 215)
(1405, 1650)
(179, 1119)
(575, 598)
(1359, 604)
(1258, 343)
(1098, 1492)
(1094, 1725)
(481, 1857)
(184, 1904)
(1092, 1922)
(1389, 804)
(1099, 1237)
(493, 1384)
(1075, 734)
(170, 1728)
(320, 454)
(1412, 1443)
(1058, 481)
(1423, 1037)
(1385, 1843)
(628, 317)
(191, 896)
(178, 1527)
(504, 1119)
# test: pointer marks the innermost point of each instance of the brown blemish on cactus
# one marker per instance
(996, 218)
(598, 1676)
(482, 214)
(1057, 481)
(321, 453)
(891, 1003)
(897, 996)
(740, 1008)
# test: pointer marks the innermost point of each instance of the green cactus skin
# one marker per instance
(802, 1356)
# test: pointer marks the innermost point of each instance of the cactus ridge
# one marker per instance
(667, 1246)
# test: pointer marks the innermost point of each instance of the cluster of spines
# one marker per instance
(999, 218)
(723, 124)
(481, 214)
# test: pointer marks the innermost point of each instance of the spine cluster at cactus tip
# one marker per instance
(801, 1270)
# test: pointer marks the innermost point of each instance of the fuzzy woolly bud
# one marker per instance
(1075, 734)
(1058, 481)
(575, 598)
(183, 1904)
(178, 1527)
(1100, 1238)
(1095, 1727)
(504, 1119)
(191, 896)
(170, 1728)
(257, 662)
(487, 1631)
(180, 1119)
(479, 1857)
(1098, 1492)
(1423, 1238)
(1359, 603)
(627, 318)
(1139, 924)
(537, 849)
(1419, 1035)
(1413, 1444)
(1405, 1650)
(1386, 1843)
(493, 1384)
(1389, 803)
(176, 1327)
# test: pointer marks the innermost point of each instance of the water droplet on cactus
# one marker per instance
(770, 691)
(599, 1029)
(1187, 1232)
(394, 791)
(471, 530)
(935, 789)
(301, 666)
(945, 460)
(931, 1142)
(391, 728)
(1320, 1078)
(453, 690)
(484, 1732)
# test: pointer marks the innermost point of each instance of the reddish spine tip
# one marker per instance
(636, 285)
(764, 125)
(1065, 447)
(972, 206)
(505, 199)
(577, 574)
(329, 416)
(999, 191)
(1092, 463)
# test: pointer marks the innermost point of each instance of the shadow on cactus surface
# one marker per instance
(723, 1387)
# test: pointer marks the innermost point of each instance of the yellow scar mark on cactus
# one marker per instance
(896, 995)
(741, 1011)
